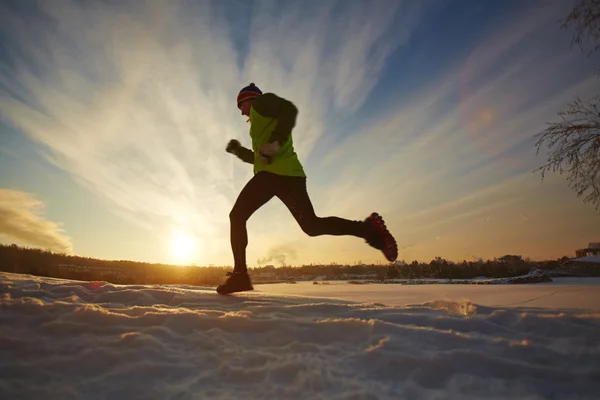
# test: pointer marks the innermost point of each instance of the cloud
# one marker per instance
(466, 130)
(460, 147)
(136, 100)
(21, 220)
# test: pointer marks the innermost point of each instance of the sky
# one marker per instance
(114, 118)
(376, 341)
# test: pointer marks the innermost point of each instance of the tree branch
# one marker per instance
(574, 144)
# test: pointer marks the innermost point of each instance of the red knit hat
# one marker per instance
(247, 93)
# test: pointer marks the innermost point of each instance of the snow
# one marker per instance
(562, 293)
(94, 340)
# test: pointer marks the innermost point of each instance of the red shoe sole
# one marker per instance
(390, 248)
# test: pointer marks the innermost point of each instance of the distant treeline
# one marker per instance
(45, 263)
(438, 268)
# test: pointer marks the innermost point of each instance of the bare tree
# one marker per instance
(574, 141)
(585, 18)
(574, 144)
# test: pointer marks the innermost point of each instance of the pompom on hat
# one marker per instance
(247, 93)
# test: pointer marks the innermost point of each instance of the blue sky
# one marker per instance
(114, 117)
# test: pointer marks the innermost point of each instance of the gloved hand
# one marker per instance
(233, 146)
(267, 151)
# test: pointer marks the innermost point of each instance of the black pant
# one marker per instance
(291, 190)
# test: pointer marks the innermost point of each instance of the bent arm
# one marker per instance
(272, 106)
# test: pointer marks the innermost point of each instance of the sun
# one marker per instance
(183, 246)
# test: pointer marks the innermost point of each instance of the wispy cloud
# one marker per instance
(468, 129)
(136, 99)
(21, 220)
(442, 159)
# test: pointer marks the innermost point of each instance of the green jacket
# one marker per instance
(272, 119)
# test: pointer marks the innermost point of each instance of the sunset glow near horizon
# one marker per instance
(114, 118)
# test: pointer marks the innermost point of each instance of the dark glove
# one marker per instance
(233, 146)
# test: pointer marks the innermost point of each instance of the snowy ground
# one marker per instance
(563, 293)
(84, 340)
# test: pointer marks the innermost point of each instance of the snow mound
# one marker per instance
(94, 340)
